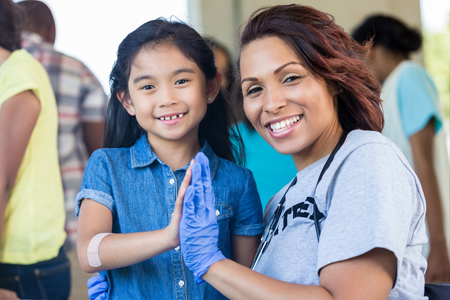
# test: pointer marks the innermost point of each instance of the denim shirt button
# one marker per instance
(171, 181)
(177, 248)
(217, 212)
(181, 283)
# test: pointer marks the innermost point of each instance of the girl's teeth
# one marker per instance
(172, 117)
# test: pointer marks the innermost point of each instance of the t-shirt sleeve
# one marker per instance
(417, 100)
(248, 215)
(18, 80)
(93, 105)
(96, 183)
(371, 202)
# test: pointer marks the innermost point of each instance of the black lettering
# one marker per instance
(286, 213)
(297, 210)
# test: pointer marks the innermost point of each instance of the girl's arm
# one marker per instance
(18, 116)
(369, 276)
(121, 250)
(243, 248)
(422, 149)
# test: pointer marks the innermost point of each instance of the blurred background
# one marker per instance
(91, 30)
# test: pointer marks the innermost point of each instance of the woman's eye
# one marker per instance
(292, 78)
(181, 81)
(147, 87)
(254, 90)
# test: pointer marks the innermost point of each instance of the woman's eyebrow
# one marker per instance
(249, 79)
(278, 70)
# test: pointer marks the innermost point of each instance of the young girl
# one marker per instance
(166, 105)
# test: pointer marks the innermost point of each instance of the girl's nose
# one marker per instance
(167, 98)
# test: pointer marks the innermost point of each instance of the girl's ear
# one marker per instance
(213, 87)
(126, 102)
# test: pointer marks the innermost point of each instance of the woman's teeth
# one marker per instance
(285, 124)
(172, 117)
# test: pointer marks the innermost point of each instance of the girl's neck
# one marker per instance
(176, 154)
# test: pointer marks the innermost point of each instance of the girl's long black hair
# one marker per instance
(122, 129)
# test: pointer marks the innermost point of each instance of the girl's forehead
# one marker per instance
(155, 56)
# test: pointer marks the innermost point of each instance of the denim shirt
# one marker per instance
(140, 190)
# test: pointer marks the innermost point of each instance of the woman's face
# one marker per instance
(291, 109)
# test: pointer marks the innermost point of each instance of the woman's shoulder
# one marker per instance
(369, 152)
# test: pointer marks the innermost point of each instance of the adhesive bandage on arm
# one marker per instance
(92, 250)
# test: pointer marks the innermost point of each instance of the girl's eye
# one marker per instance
(254, 90)
(147, 87)
(292, 78)
(181, 81)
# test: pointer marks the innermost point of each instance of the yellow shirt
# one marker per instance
(33, 228)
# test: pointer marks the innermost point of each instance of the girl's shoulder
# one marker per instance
(108, 156)
(234, 170)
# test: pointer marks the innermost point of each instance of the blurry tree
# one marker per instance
(437, 61)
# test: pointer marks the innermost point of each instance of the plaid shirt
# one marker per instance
(80, 98)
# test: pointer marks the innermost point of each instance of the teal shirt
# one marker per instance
(418, 99)
(271, 170)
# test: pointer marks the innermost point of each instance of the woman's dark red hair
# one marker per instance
(328, 52)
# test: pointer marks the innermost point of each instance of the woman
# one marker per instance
(413, 123)
(311, 89)
(32, 263)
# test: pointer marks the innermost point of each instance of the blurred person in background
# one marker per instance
(413, 121)
(80, 99)
(33, 264)
(271, 169)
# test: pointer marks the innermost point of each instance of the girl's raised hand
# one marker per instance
(172, 231)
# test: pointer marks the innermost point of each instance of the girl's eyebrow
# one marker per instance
(277, 70)
(184, 70)
(176, 72)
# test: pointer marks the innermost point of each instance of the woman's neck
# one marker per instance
(322, 147)
(4, 54)
(176, 154)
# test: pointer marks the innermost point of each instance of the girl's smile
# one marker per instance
(167, 94)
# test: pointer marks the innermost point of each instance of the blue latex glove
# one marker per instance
(98, 287)
(198, 227)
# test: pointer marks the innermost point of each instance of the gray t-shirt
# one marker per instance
(370, 197)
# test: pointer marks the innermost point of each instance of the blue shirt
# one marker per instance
(272, 170)
(417, 99)
(140, 190)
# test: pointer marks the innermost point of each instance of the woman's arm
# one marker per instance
(120, 250)
(243, 248)
(369, 276)
(422, 146)
(18, 116)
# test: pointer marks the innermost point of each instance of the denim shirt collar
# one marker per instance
(142, 155)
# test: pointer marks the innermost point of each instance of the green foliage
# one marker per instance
(437, 61)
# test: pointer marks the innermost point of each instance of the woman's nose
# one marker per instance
(274, 101)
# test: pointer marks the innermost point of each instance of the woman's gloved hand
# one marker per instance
(98, 287)
(198, 227)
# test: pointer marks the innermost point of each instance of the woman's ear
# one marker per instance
(126, 102)
(213, 87)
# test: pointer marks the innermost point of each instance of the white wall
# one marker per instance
(221, 18)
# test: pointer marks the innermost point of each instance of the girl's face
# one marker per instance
(291, 109)
(167, 93)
